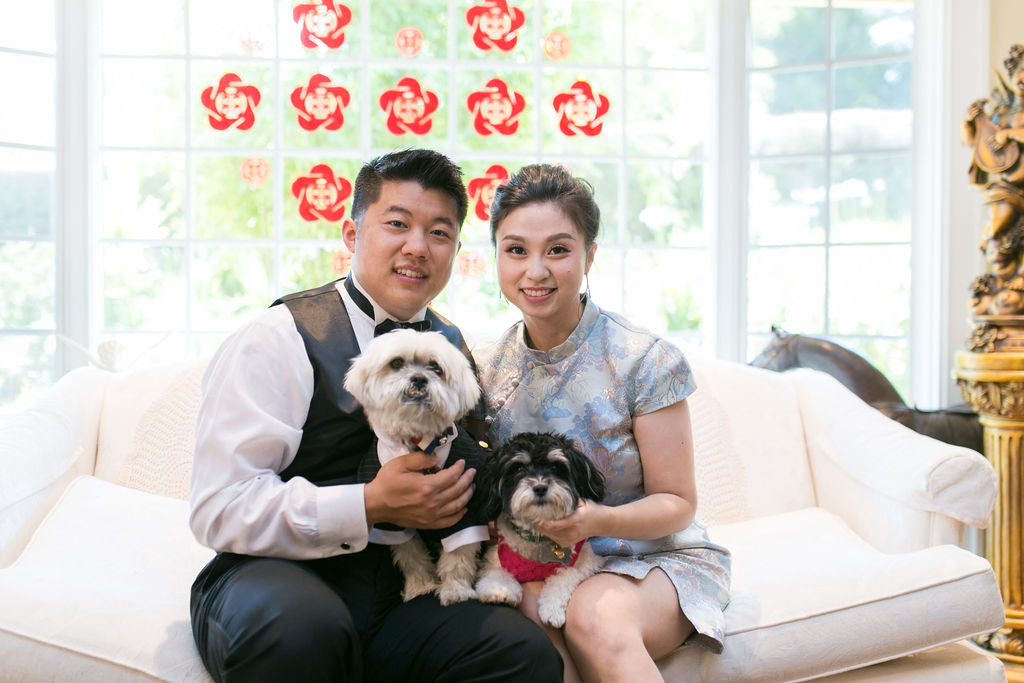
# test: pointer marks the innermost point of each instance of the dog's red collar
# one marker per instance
(528, 570)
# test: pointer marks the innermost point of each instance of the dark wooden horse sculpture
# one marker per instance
(958, 426)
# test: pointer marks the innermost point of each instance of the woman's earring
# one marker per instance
(586, 276)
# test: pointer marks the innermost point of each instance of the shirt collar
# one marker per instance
(379, 314)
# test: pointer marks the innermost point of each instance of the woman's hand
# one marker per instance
(584, 522)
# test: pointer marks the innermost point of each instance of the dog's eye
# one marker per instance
(397, 363)
(435, 368)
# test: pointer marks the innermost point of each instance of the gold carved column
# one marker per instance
(993, 384)
(990, 372)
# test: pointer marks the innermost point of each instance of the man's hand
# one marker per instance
(401, 494)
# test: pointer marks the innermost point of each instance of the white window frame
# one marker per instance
(950, 69)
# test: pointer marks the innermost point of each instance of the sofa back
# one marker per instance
(147, 427)
(750, 453)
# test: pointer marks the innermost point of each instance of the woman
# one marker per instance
(620, 392)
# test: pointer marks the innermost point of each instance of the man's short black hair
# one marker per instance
(432, 170)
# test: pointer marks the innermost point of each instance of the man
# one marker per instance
(296, 592)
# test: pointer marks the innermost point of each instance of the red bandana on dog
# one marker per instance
(528, 570)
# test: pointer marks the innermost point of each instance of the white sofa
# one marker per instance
(843, 525)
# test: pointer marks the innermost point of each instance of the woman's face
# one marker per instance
(542, 260)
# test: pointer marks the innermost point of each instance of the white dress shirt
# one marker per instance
(256, 394)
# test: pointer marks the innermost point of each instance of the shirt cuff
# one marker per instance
(341, 511)
(473, 534)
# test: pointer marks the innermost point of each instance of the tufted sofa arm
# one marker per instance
(42, 449)
(897, 489)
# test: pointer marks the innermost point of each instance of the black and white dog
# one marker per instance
(535, 477)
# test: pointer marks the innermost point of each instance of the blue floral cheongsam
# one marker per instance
(591, 387)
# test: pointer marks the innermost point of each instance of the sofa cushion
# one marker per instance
(750, 458)
(101, 592)
(147, 430)
(810, 598)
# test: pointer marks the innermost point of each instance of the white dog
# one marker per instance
(529, 479)
(413, 386)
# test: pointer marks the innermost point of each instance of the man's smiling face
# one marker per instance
(404, 247)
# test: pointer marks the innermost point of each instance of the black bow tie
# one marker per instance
(388, 325)
(383, 328)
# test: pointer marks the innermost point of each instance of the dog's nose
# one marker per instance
(540, 489)
(418, 381)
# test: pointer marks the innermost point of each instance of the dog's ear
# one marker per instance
(488, 485)
(588, 479)
(356, 378)
(462, 377)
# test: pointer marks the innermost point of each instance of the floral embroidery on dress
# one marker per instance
(591, 387)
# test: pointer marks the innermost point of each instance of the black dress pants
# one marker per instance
(343, 619)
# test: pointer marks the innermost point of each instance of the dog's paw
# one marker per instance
(496, 591)
(453, 592)
(414, 589)
(551, 613)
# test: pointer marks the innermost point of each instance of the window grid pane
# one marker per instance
(28, 242)
(240, 208)
(829, 175)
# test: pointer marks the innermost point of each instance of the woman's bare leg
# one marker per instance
(617, 626)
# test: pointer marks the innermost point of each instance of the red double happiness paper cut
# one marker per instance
(321, 194)
(409, 41)
(579, 111)
(320, 103)
(322, 22)
(232, 103)
(254, 171)
(471, 263)
(409, 108)
(341, 262)
(496, 108)
(495, 25)
(481, 190)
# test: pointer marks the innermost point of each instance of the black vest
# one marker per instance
(336, 435)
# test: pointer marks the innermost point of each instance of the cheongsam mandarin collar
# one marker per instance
(569, 346)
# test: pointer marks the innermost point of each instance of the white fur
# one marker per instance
(384, 379)
(385, 392)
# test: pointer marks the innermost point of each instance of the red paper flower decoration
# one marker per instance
(232, 104)
(580, 111)
(341, 262)
(557, 46)
(409, 108)
(496, 109)
(481, 190)
(321, 195)
(494, 24)
(322, 22)
(320, 103)
(471, 263)
(254, 171)
(409, 41)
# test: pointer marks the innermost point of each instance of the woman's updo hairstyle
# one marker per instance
(540, 183)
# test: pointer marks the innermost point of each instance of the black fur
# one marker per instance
(499, 475)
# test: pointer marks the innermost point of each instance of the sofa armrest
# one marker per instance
(898, 489)
(42, 449)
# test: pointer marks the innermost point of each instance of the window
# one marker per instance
(28, 230)
(221, 148)
(829, 175)
(201, 221)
